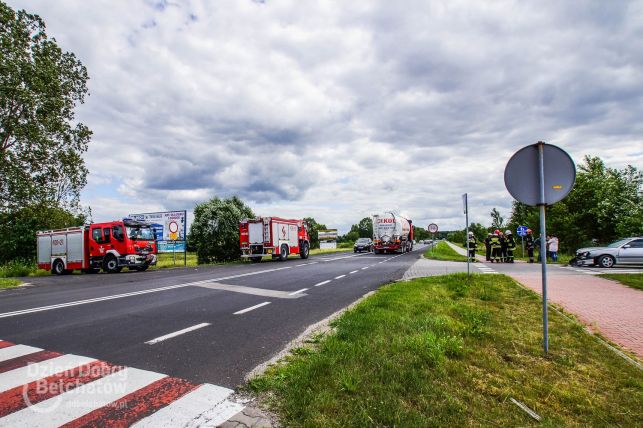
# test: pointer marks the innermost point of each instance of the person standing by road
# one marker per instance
(552, 244)
(487, 247)
(471, 245)
(503, 247)
(511, 246)
(529, 243)
(495, 246)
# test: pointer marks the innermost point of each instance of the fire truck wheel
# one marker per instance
(255, 259)
(110, 265)
(305, 251)
(58, 267)
(283, 253)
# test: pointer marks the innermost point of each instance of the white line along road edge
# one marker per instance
(177, 333)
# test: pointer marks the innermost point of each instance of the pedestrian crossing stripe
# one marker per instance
(45, 388)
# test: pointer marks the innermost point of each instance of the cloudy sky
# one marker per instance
(339, 109)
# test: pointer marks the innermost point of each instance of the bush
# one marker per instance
(215, 230)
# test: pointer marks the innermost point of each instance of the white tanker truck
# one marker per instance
(392, 233)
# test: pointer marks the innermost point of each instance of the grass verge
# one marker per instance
(634, 280)
(452, 351)
(442, 251)
(9, 282)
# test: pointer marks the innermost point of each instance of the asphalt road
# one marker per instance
(237, 316)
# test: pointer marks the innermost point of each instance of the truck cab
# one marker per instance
(118, 244)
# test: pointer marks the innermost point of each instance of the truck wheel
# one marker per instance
(304, 252)
(283, 253)
(255, 259)
(110, 265)
(606, 261)
(58, 268)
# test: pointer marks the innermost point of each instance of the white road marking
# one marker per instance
(303, 264)
(353, 271)
(84, 399)
(16, 351)
(248, 290)
(177, 333)
(35, 371)
(298, 291)
(340, 277)
(208, 402)
(133, 293)
(322, 283)
(365, 267)
(243, 311)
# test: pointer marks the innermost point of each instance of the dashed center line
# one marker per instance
(322, 283)
(176, 333)
(297, 292)
(365, 267)
(251, 308)
(352, 272)
(339, 277)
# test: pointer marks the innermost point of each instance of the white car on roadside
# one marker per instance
(625, 251)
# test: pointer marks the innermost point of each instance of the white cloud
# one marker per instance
(340, 109)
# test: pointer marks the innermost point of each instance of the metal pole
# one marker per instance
(466, 238)
(522, 246)
(543, 242)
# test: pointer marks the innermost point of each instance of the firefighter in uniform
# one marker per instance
(511, 246)
(487, 247)
(529, 243)
(472, 246)
(494, 243)
(503, 247)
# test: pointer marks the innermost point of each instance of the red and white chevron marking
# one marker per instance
(40, 388)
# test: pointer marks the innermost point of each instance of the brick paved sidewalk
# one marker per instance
(607, 307)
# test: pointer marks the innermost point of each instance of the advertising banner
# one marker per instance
(170, 229)
(327, 235)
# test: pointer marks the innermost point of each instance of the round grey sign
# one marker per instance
(433, 228)
(522, 174)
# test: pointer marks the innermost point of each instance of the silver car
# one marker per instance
(625, 251)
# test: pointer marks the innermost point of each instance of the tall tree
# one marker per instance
(40, 145)
(497, 221)
(313, 230)
(605, 204)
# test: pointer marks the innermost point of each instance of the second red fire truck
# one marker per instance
(273, 236)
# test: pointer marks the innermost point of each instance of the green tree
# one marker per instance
(313, 229)
(18, 228)
(497, 220)
(215, 229)
(605, 204)
(40, 145)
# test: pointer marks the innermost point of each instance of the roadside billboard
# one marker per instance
(327, 238)
(170, 229)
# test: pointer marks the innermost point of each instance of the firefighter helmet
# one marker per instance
(529, 231)
(507, 232)
(496, 232)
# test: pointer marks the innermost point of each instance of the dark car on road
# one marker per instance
(363, 244)
(625, 251)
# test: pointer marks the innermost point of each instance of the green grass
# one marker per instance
(20, 268)
(451, 351)
(442, 251)
(9, 282)
(634, 280)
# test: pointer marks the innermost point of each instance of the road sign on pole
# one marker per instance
(540, 175)
(521, 230)
(465, 203)
(433, 228)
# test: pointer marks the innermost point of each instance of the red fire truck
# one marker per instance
(109, 246)
(273, 236)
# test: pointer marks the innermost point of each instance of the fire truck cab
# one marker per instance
(110, 246)
(273, 236)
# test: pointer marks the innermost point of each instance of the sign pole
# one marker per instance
(185, 238)
(466, 238)
(522, 246)
(543, 242)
